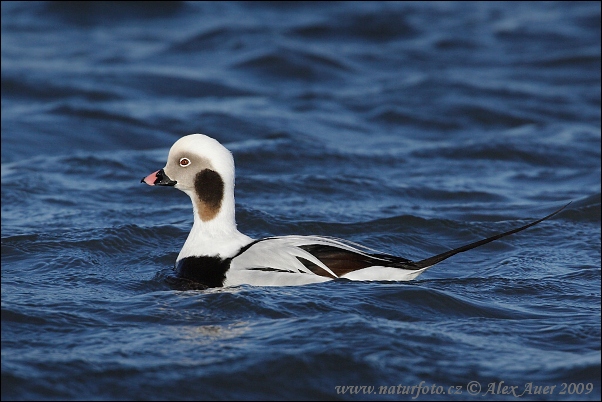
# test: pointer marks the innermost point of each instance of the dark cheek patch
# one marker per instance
(209, 188)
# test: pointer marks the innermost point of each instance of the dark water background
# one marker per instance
(409, 127)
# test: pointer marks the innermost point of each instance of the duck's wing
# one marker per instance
(316, 255)
(298, 260)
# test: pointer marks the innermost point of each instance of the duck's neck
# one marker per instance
(216, 237)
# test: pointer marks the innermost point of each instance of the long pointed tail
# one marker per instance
(428, 262)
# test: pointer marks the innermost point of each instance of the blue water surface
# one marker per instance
(411, 128)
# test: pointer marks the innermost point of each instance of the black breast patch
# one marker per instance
(208, 271)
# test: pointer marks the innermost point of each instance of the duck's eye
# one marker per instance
(184, 162)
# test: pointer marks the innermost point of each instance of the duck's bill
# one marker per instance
(158, 178)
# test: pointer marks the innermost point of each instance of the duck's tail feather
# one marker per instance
(429, 262)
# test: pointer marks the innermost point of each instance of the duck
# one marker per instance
(216, 254)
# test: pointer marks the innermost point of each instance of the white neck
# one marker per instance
(216, 237)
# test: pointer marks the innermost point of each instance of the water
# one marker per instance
(410, 128)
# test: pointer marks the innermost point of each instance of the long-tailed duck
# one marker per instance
(216, 254)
